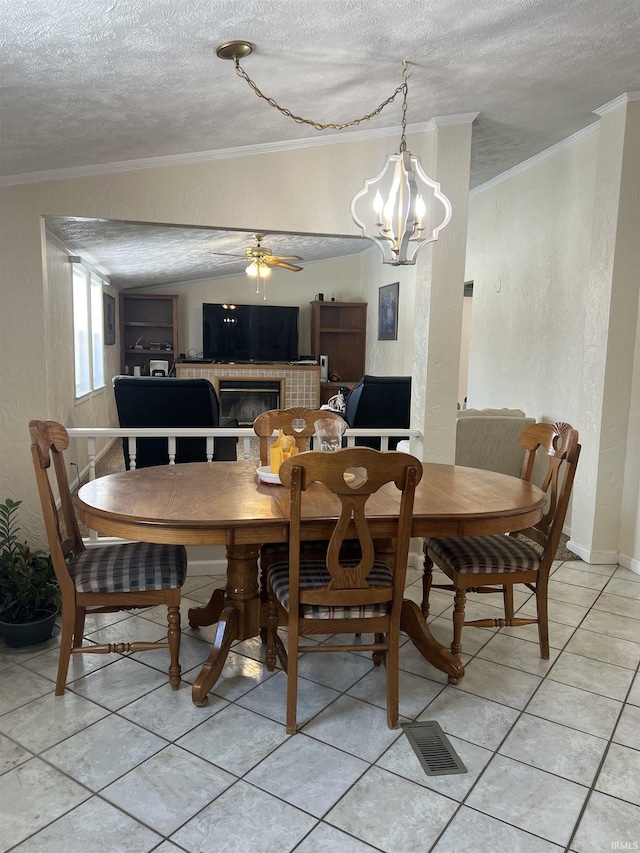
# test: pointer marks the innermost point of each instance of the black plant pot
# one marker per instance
(21, 634)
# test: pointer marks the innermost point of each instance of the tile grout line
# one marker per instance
(522, 712)
(596, 776)
(372, 764)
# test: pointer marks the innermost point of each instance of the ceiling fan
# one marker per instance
(260, 255)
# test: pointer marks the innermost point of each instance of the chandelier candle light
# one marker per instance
(401, 209)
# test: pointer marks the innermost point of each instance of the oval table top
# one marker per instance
(201, 503)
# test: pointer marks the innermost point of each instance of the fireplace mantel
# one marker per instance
(301, 382)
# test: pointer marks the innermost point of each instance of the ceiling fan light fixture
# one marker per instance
(258, 269)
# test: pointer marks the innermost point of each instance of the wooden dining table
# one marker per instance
(224, 503)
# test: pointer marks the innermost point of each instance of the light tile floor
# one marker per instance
(122, 764)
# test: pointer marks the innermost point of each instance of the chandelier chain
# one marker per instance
(403, 88)
(403, 135)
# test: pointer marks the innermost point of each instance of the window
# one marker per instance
(88, 331)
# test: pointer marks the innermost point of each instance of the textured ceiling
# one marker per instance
(135, 255)
(93, 82)
(88, 82)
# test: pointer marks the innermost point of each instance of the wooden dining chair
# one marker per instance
(301, 424)
(296, 421)
(335, 594)
(106, 578)
(494, 564)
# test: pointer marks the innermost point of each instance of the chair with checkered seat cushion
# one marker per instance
(300, 423)
(314, 575)
(362, 595)
(490, 564)
(103, 579)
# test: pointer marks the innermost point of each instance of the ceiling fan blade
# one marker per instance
(288, 257)
(277, 262)
(228, 255)
(218, 262)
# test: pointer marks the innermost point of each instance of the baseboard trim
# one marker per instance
(600, 558)
(629, 563)
(198, 568)
(416, 559)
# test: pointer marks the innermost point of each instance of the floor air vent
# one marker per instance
(434, 751)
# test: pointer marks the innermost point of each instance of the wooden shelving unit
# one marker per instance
(339, 331)
(149, 319)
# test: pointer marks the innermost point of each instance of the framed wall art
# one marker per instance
(388, 312)
(109, 309)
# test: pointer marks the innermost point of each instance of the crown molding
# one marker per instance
(446, 121)
(527, 164)
(191, 158)
(226, 153)
(57, 242)
(626, 98)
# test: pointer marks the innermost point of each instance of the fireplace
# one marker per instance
(299, 385)
(244, 398)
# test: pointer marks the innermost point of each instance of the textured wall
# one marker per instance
(554, 319)
(610, 327)
(630, 512)
(388, 358)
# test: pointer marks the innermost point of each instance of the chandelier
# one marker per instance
(402, 208)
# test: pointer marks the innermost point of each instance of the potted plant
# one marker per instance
(29, 592)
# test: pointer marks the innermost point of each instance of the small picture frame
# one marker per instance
(388, 312)
(109, 308)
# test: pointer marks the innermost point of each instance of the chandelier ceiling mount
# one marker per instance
(234, 50)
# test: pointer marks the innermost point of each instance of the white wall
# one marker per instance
(630, 514)
(528, 256)
(555, 316)
(388, 358)
(463, 380)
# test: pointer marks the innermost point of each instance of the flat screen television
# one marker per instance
(249, 332)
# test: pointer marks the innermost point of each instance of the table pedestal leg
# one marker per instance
(226, 633)
(413, 623)
(238, 612)
(200, 617)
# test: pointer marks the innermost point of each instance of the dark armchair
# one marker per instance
(379, 401)
(159, 401)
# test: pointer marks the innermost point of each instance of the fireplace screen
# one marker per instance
(244, 400)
